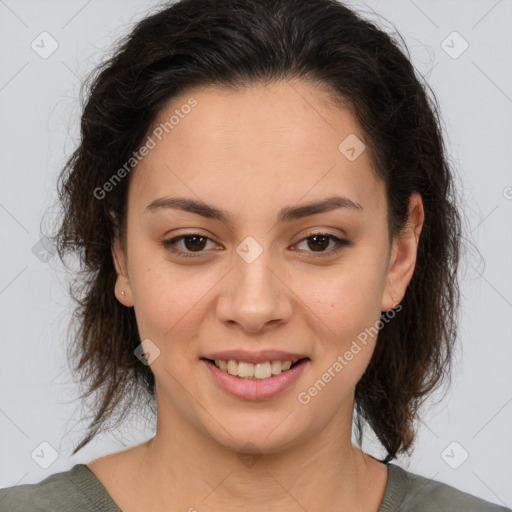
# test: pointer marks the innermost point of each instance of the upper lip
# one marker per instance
(255, 357)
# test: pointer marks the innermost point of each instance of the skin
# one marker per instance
(251, 153)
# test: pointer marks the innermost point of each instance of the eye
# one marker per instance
(193, 243)
(320, 241)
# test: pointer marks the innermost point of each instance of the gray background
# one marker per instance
(39, 125)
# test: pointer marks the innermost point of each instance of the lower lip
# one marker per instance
(261, 389)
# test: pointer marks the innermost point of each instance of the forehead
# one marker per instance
(256, 149)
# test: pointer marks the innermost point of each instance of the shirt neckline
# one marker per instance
(394, 490)
(88, 482)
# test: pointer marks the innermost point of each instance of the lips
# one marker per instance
(256, 389)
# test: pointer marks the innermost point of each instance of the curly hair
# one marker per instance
(233, 44)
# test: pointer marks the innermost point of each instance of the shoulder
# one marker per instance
(68, 491)
(411, 492)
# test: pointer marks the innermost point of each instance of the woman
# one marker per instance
(263, 205)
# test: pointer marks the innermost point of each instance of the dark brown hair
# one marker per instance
(233, 44)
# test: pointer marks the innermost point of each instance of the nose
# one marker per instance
(255, 295)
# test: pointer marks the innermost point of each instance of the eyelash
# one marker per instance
(340, 244)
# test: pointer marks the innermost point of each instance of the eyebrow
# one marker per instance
(287, 214)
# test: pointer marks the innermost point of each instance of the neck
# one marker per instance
(198, 472)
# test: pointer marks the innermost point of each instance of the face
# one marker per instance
(256, 272)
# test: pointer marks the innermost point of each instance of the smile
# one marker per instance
(244, 370)
(257, 381)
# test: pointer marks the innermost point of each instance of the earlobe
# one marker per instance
(122, 288)
(404, 254)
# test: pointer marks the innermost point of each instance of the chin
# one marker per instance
(258, 436)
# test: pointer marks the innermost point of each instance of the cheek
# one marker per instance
(169, 302)
(342, 307)
(344, 298)
(169, 307)
(343, 316)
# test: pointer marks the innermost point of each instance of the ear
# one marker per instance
(403, 255)
(122, 281)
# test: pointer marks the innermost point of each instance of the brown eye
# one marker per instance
(319, 242)
(192, 243)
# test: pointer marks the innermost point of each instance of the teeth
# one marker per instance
(256, 371)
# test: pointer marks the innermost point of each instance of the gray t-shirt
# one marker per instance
(78, 490)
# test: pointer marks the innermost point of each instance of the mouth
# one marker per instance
(259, 371)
